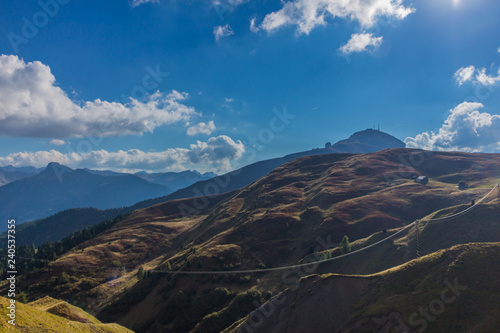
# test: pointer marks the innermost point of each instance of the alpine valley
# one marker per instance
(245, 257)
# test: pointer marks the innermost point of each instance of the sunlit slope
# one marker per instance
(275, 221)
(50, 315)
(453, 290)
(482, 224)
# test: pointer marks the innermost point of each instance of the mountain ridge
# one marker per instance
(381, 302)
(65, 188)
(272, 222)
(230, 181)
(58, 188)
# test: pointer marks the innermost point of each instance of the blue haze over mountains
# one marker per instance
(39, 194)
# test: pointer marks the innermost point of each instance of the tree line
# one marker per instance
(28, 258)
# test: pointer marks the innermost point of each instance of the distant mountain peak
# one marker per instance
(25, 169)
(55, 169)
(51, 164)
(57, 166)
(369, 140)
(370, 133)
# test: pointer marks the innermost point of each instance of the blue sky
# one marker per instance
(65, 89)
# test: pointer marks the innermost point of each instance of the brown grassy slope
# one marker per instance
(337, 195)
(386, 301)
(274, 221)
(97, 264)
(482, 224)
(64, 310)
(270, 223)
(36, 318)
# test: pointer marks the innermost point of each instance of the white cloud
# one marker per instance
(217, 152)
(253, 26)
(222, 31)
(309, 14)
(227, 4)
(216, 149)
(465, 129)
(32, 105)
(202, 128)
(361, 43)
(485, 79)
(57, 142)
(465, 74)
(498, 50)
(476, 76)
(136, 3)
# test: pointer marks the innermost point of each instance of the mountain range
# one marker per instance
(99, 189)
(57, 188)
(10, 174)
(297, 213)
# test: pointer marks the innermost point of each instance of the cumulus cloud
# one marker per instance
(485, 79)
(476, 76)
(222, 31)
(464, 74)
(136, 3)
(202, 128)
(215, 149)
(309, 14)
(32, 105)
(360, 43)
(57, 142)
(465, 129)
(217, 152)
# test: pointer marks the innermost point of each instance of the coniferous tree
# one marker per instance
(345, 246)
(140, 273)
(22, 298)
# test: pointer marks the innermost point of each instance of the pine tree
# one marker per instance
(22, 297)
(345, 246)
(140, 273)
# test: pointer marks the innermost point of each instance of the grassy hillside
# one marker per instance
(480, 225)
(50, 315)
(303, 207)
(472, 305)
(453, 290)
(183, 185)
